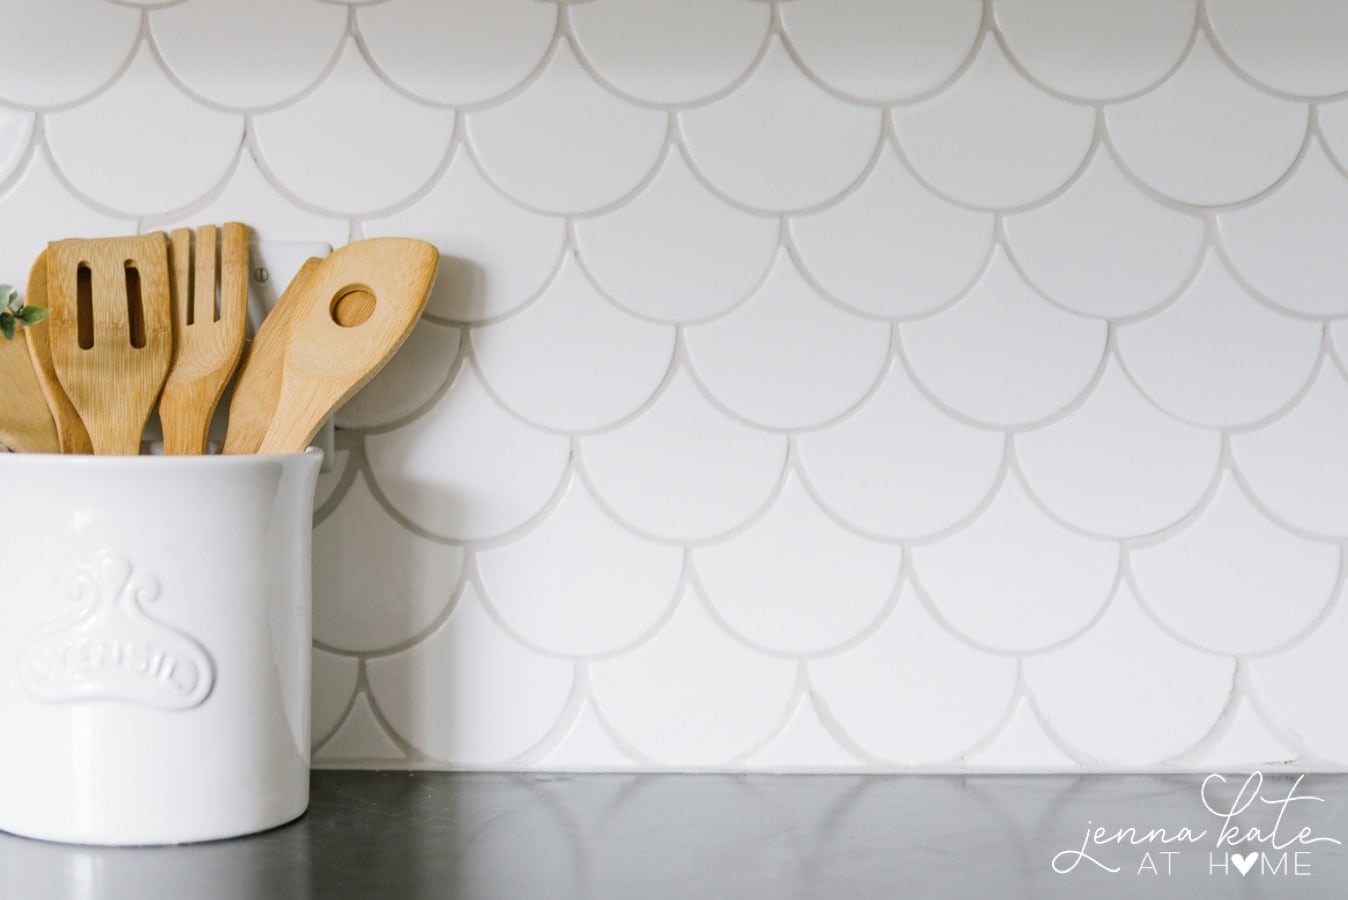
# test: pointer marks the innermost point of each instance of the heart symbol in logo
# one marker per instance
(1244, 863)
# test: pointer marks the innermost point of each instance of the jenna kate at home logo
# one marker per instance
(1257, 830)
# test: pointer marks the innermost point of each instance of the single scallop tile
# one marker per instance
(585, 746)
(692, 695)
(1234, 582)
(334, 683)
(683, 469)
(1014, 580)
(156, 148)
(494, 254)
(1101, 51)
(892, 248)
(1104, 247)
(897, 466)
(796, 581)
(270, 215)
(213, 47)
(1295, 47)
(360, 738)
(883, 51)
(565, 122)
(466, 469)
(676, 252)
(1294, 465)
(644, 47)
(1247, 744)
(1118, 466)
(457, 51)
(1022, 745)
(376, 584)
(1101, 693)
(308, 145)
(1291, 687)
(993, 139)
(895, 670)
(579, 584)
(37, 208)
(608, 363)
(779, 141)
(786, 357)
(59, 51)
(468, 694)
(411, 378)
(1217, 356)
(1003, 354)
(804, 744)
(1170, 135)
(1289, 245)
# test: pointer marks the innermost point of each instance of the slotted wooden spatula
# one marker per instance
(74, 437)
(111, 332)
(351, 314)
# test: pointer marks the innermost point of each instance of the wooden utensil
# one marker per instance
(111, 332)
(258, 387)
(206, 342)
(26, 424)
(351, 315)
(70, 431)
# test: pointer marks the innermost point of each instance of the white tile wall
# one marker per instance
(809, 384)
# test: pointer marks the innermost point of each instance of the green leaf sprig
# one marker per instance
(13, 312)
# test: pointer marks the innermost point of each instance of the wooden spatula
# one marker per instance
(206, 341)
(351, 315)
(111, 332)
(74, 437)
(26, 425)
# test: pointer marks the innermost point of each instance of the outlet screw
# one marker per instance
(261, 275)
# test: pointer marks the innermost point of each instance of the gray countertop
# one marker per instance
(506, 836)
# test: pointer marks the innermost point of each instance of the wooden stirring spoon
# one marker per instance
(70, 431)
(111, 332)
(351, 315)
(206, 342)
(259, 385)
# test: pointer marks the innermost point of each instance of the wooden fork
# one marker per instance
(207, 342)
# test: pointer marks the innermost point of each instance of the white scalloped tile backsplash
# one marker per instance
(809, 384)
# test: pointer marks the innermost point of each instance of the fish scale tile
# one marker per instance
(146, 128)
(929, 383)
(223, 69)
(327, 146)
(42, 37)
(883, 52)
(457, 51)
(893, 669)
(906, 252)
(993, 139)
(1105, 247)
(672, 53)
(1099, 695)
(676, 252)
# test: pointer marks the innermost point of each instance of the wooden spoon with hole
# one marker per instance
(353, 312)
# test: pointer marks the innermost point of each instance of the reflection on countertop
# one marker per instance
(504, 836)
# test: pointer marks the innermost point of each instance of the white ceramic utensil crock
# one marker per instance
(154, 645)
